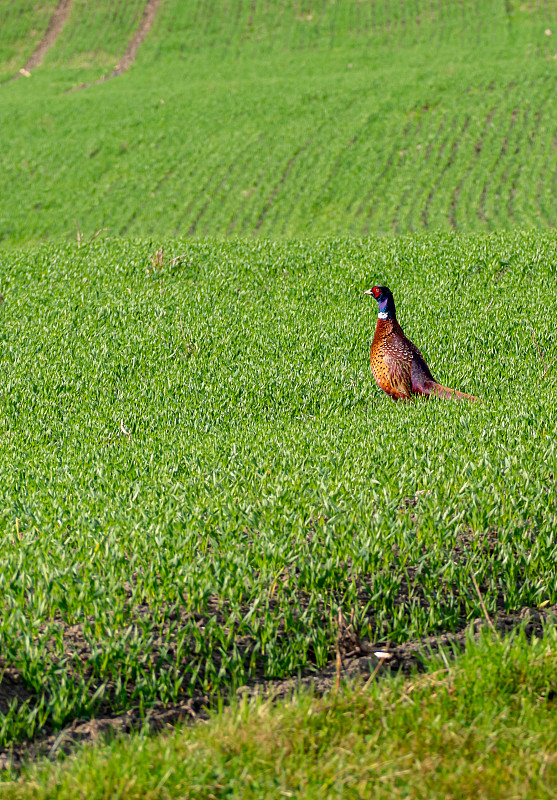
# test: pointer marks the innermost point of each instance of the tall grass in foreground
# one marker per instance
(484, 726)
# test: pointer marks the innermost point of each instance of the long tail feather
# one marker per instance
(443, 391)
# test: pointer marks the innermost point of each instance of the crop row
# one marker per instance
(321, 162)
(350, 137)
(270, 26)
(96, 35)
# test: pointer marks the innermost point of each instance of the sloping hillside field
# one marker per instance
(270, 119)
(198, 472)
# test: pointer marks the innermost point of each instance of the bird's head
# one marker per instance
(379, 292)
(385, 299)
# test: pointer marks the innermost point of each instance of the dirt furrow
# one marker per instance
(130, 53)
(53, 31)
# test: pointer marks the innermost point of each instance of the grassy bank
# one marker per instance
(483, 727)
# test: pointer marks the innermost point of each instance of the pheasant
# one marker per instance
(398, 366)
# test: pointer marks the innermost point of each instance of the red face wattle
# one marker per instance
(376, 292)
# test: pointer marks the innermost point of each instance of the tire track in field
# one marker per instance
(481, 208)
(130, 53)
(53, 31)
(446, 168)
(145, 25)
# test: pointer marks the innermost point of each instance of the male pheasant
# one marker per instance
(398, 366)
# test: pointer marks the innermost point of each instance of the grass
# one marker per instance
(95, 34)
(23, 25)
(272, 123)
(485, 727)
(198, 471)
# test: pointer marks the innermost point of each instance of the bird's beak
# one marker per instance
(369, 291)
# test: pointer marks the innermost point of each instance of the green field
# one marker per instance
(198, 470)
(198, 475)
(273, 120)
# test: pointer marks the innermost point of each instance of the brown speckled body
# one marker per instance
(394, 358)
(400, 369)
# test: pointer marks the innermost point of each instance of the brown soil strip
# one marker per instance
(130, 53)
(53, 31)
(356, 661)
